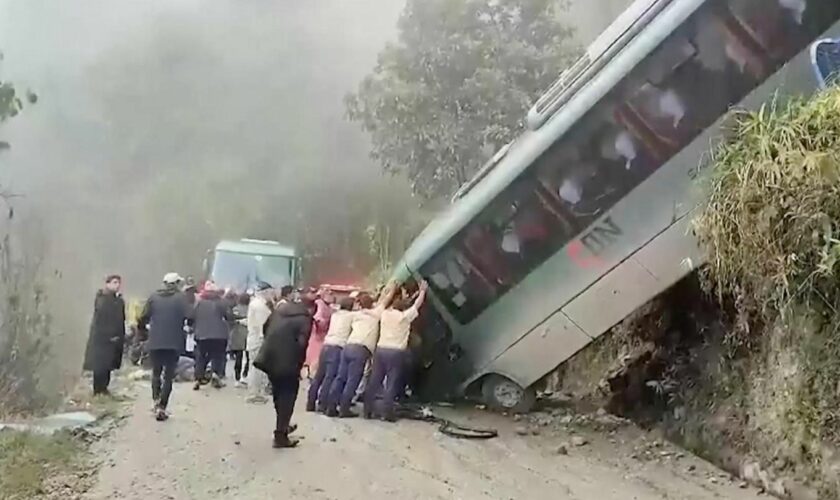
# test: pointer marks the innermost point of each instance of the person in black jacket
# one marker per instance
(165, 317)
(281, 357)
(107, 335)
(213, 316)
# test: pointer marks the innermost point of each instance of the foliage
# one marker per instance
(25, 327)
(26, 461)
(771, 227)
(10, 103)
(771, 232)
(24, 323)
(456, 85)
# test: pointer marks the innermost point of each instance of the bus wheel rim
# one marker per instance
(508, 394)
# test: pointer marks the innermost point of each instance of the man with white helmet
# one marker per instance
(165, 316)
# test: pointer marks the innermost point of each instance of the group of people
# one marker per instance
(271, 335)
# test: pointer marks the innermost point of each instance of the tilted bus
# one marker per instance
(586, 216)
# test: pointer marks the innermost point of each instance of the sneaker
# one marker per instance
(241, 384)
(197, 386)
(161, 415)
(216, 382)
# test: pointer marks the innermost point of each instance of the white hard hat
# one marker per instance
(172, 278)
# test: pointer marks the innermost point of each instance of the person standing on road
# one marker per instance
(364, 334)
(391, 357)
(330, 358)
(281, 357)
(320, 325)
(104, 351)
(238, 346)
(165, 317)
(213, 315)
(259, 309)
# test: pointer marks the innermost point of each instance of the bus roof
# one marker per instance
(525, 150)
(256, 247)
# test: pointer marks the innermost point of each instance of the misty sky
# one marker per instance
(138, 96)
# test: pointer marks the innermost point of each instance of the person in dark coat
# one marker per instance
(105, 344)
(213, 316)
(165, 317)
(281, 357)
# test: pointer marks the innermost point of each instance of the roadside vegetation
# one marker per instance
(771, 229)
(27, 461)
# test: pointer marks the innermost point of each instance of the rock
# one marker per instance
(562, 450)
(333, 440)
(517, 417)
(535, 431)
(743, 485)
(567, 420)
(237, 442)
(691, 468)
(522, 430)
(713, 480)
(601, 412)
(480, 407)
(579, 441)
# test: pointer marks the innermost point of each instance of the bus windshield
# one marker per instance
(242, 271)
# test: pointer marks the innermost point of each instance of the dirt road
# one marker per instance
(217, 446)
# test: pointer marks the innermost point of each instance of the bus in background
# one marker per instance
(586, 216)
(242, 265)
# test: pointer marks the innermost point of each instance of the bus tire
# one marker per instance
(503, 394)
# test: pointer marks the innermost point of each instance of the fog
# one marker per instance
(165, 125)
(162, 110)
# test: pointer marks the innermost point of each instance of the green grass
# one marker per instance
(27, 459)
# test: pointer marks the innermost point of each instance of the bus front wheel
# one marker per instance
(503, 394)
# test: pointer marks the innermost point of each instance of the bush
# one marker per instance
(771, 232)
(24, 333)
(771, 228)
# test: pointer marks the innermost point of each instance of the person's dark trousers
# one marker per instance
(284, 390)
(388, 366)
(240, 370)
(350, 372)
(409, 378)
(101, 381)
(212, 352)
(320, 385)
(164, 364)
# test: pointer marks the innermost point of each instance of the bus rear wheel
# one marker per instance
(503, 394)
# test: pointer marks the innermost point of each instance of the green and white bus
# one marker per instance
(243, 264)
(586, 216)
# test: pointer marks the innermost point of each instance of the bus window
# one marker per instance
(777, 26)
(461, 287)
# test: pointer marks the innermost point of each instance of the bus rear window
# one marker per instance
(705, 67)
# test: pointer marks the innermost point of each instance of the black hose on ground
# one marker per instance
(447, 427)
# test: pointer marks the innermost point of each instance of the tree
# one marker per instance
(456, 85)
(10, 103)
